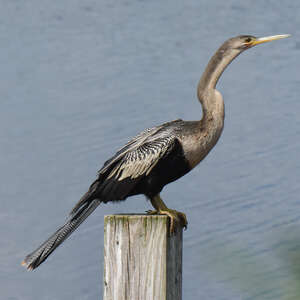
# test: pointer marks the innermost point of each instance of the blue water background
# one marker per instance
(79, 78)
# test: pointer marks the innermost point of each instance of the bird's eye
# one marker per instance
(248, 40)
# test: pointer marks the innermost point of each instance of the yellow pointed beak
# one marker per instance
(268, 39)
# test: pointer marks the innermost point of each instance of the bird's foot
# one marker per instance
(176, 218)
(152, 212)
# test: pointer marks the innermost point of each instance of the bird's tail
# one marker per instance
(38, 256)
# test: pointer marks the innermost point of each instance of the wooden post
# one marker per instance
(141, 260)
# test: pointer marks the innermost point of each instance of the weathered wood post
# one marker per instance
(141, 260)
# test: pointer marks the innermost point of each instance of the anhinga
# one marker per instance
(159, 155)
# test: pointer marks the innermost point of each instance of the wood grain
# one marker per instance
(141, 260)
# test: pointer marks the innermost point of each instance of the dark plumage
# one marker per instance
(157, 156)
(143, 165)
(140, 167)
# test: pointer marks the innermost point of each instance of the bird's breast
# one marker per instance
(197, 145)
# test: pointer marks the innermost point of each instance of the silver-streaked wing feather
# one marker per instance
(133, 143)
(142, 159)
(140, 145)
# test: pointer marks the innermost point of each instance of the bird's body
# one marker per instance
(156, 156)
(143, 167)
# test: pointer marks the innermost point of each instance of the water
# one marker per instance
(77, 80)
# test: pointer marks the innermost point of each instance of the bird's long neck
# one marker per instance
(206, 87)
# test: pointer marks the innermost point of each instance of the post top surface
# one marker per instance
(127, 216)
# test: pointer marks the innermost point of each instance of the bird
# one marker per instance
(159, 155)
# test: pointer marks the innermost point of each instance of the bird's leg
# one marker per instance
(176, 217)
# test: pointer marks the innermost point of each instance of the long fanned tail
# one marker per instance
(38, 256)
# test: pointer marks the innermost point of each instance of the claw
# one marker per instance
(152, 212)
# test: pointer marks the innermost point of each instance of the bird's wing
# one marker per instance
(135, 144)
(141, 159)
(126, 172)
(138, 157)
(121, 174)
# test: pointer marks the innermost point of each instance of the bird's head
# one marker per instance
(226, 53)
(243, 42)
